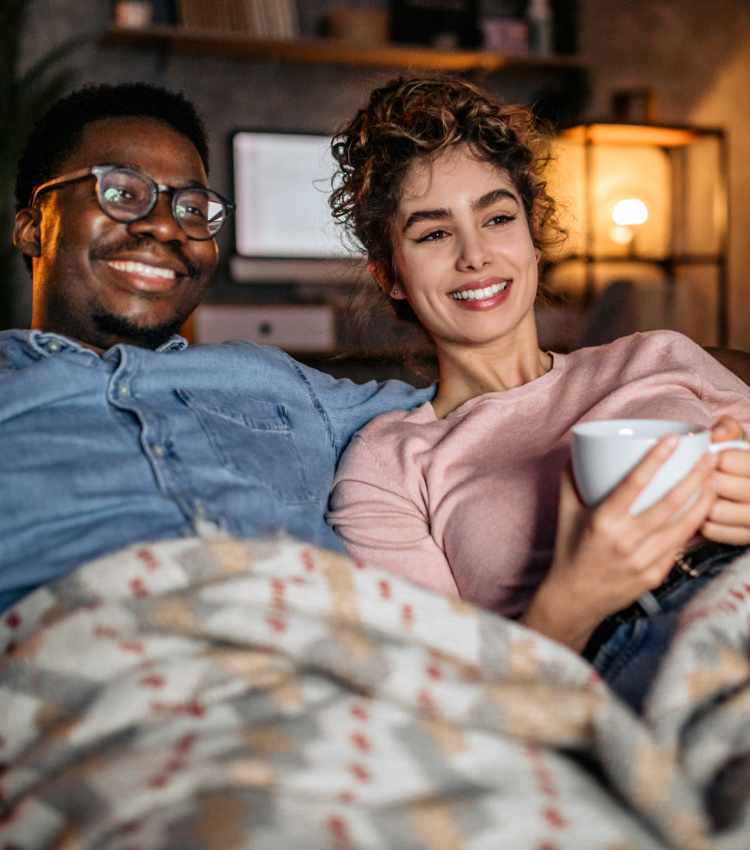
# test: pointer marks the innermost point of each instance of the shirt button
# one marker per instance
(159, 451)
(54, 346)
(123, 390)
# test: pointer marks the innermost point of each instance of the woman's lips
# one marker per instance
(482, 297)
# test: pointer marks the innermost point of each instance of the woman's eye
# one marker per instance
(433, 236)
(501, 218)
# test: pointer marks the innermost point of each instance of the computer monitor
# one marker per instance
(284, 231)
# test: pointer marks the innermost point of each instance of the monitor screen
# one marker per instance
(281, 186)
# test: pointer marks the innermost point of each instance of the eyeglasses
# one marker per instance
(127, 195)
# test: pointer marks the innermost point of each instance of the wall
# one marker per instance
(228, 93)
(693, 54)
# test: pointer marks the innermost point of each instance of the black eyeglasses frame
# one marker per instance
(100, 171)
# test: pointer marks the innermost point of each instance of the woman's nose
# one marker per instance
(473, 254)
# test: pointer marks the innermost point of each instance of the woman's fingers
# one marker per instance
(730, 485)
(737, 535)
(634, 529)
(729, 520)
(623, 496)
(658, 550)
(726, 428)
(681, 496)
(647, 544)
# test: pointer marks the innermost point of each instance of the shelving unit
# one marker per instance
(175, 41)
(331, 51)
(674, 146)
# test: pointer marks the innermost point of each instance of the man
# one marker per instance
(112, 429)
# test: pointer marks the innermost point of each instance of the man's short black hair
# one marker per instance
(57, 133)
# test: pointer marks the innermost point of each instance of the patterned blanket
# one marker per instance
(224, 694)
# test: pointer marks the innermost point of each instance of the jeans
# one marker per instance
(629, 658)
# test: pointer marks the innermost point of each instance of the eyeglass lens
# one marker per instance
(128, 196)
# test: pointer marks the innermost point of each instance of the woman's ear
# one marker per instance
(26, 232)
(381, 275)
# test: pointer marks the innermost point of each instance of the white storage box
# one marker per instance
(294, 328)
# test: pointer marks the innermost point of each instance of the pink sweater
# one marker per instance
(467, 504)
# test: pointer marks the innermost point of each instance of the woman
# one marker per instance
(471, 494)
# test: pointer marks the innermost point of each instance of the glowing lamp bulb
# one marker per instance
(629, 212)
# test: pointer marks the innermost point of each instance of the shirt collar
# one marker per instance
(47, 343)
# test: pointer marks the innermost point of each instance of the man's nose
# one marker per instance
(160, 223)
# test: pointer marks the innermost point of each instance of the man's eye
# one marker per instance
(189, 211)
(116, 195)
(433, 236)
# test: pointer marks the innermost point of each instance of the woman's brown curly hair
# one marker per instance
(412, 118)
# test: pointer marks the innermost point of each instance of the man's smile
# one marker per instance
(141, 277)
(142, 269)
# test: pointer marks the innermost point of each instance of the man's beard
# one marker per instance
(150, 336)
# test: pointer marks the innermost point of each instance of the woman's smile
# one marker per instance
(483, 295)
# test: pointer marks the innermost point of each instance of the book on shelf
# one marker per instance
(275, 18)
(221, 15)
(196, 14)
(257, 18)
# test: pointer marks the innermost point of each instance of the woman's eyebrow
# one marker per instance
(493, 197)
(426, 215)
(487, 200)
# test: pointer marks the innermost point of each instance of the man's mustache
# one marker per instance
(137, 243)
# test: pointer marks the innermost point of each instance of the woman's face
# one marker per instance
(463, 251)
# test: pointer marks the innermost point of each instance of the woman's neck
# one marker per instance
(465, 373)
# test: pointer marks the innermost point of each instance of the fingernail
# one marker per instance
(669, 443)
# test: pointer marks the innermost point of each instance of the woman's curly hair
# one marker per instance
(411, 118)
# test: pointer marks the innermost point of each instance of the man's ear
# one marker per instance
(26, 232)
(384, 279)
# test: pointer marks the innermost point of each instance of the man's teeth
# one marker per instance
(142, 269)
(479, 294)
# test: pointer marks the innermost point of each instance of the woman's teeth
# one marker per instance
(479, 294)
(142, 269)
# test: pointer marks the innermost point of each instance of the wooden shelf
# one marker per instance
(707, 259)
(332, 51)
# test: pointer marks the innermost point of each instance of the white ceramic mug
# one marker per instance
(604, 452)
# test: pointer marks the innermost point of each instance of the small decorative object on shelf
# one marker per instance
(133, 14)
(364, 26)
(165, 12)
(506, 35)
(539, 19)
(440, 23)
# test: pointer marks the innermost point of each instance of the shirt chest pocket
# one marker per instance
(252, 439)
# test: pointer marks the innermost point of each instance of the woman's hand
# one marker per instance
(729, 519)
(605, 557)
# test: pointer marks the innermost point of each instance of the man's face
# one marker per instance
(101, 281)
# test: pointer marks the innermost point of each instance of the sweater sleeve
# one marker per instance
(381, 524)
(723, 393)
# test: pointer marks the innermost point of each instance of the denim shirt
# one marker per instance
(100, 451)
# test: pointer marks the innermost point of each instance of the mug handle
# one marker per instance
(714, 448)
